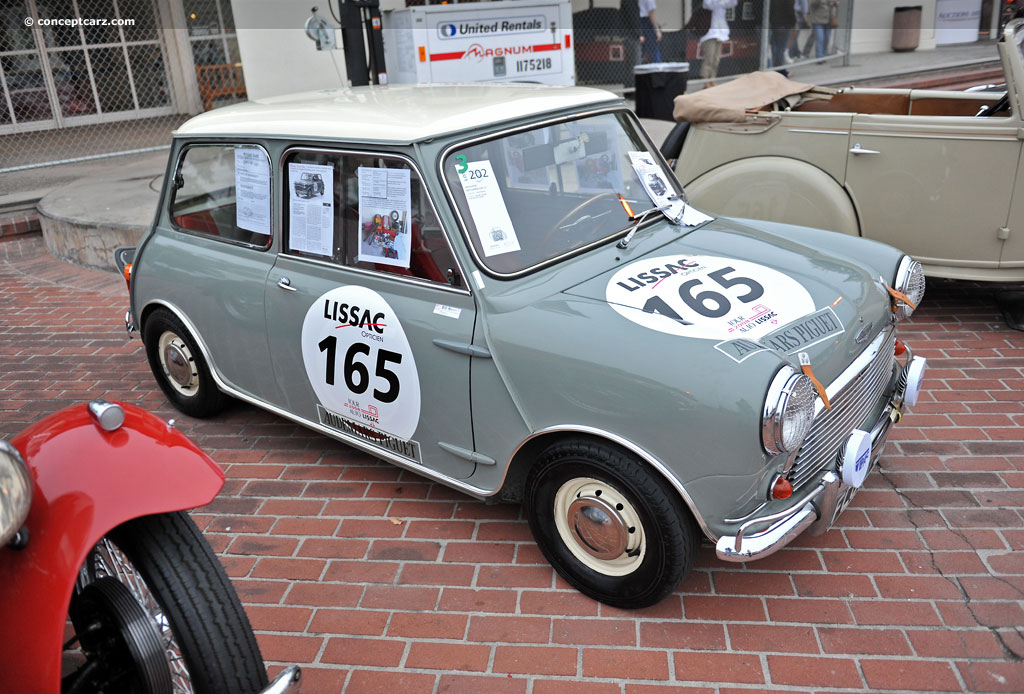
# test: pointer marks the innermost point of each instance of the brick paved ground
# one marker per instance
(375, 580)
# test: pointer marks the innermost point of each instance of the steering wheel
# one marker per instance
(575, 212)
(1003, 102)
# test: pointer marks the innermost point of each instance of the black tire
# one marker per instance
(179, 367)
(208, 629)
(653, 537)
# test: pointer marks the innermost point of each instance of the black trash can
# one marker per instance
(657, 84)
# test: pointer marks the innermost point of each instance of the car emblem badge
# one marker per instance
(863, 334)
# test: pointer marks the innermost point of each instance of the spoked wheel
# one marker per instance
(609, 525)
(154, 613)
(179, 367)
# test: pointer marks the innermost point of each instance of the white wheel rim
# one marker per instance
(178, 364)
(599, 526)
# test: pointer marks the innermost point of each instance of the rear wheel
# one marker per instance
(154, 612)
(179, 367)
(609, 525)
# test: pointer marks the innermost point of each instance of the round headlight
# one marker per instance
(910, 281)
(788, 412)
(15, 492)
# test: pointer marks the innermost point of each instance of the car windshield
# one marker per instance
(534, 196)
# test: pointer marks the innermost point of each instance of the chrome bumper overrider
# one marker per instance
(817, 508)
(128, 325)
(287, 682)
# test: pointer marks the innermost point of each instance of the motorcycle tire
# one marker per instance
(206, 643)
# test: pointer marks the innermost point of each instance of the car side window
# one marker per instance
(364, 211)
(223, 192)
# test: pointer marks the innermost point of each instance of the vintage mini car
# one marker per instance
(936, 173)
(633, 371)
(308, 185)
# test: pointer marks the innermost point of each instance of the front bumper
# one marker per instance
(816, 509)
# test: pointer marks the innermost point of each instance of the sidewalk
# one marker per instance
(89, 192)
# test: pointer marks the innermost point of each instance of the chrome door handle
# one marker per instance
(285, 283)
(856, 149)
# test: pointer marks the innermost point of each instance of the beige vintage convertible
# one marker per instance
(936, 173)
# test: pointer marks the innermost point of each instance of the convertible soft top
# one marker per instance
(729, 102)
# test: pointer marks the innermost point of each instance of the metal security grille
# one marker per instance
(88, 78)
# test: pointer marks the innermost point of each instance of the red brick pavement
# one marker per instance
(375, 580)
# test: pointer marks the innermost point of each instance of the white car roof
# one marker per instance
(394, 113)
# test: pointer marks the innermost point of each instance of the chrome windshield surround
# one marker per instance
(578, 115)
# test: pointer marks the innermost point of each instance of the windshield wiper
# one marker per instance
(636, 219)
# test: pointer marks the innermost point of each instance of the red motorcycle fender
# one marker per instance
(86, 482)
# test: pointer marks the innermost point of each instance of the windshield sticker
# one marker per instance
(252, 190)
(311, 208)
(654, 180)
(385, 212)
(359, 362)
(487, 206)
(707, 297)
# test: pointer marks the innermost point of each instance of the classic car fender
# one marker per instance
(777, 189)
(87, 481)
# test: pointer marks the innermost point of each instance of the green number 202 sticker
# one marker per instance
(460, 163)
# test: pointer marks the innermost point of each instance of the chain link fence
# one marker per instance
(81, 79)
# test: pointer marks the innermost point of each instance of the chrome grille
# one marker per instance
(850, 407)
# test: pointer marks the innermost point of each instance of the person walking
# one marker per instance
(651, 36)
(782, 19)
(717, 34)
(821, 23)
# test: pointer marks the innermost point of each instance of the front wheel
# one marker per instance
(154, 613)
(610, 526)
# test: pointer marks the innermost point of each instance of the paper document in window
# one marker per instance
(385, 216)
(486, 204)
(311, 208)
(252, 190)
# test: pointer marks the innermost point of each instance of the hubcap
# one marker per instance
(600, 526)
(178, 364)
(107, 560)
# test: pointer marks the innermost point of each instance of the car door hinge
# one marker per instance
(458, 451)
(1020, 133)
(463, 348)
(1003, 233)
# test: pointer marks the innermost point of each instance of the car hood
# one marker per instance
(740, 289)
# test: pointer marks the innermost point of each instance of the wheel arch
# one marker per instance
(776, 189)
(204, 350)
(526, 454)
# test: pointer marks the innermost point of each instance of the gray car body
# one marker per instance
(535, 357)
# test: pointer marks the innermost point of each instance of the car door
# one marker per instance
(369, 326)
(210, 256)
(937, 187)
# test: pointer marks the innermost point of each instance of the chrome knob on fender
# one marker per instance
(109, 416)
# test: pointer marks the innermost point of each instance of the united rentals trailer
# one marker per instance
(504, 41)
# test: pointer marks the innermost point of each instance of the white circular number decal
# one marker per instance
(359, 362)
(707, 297)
